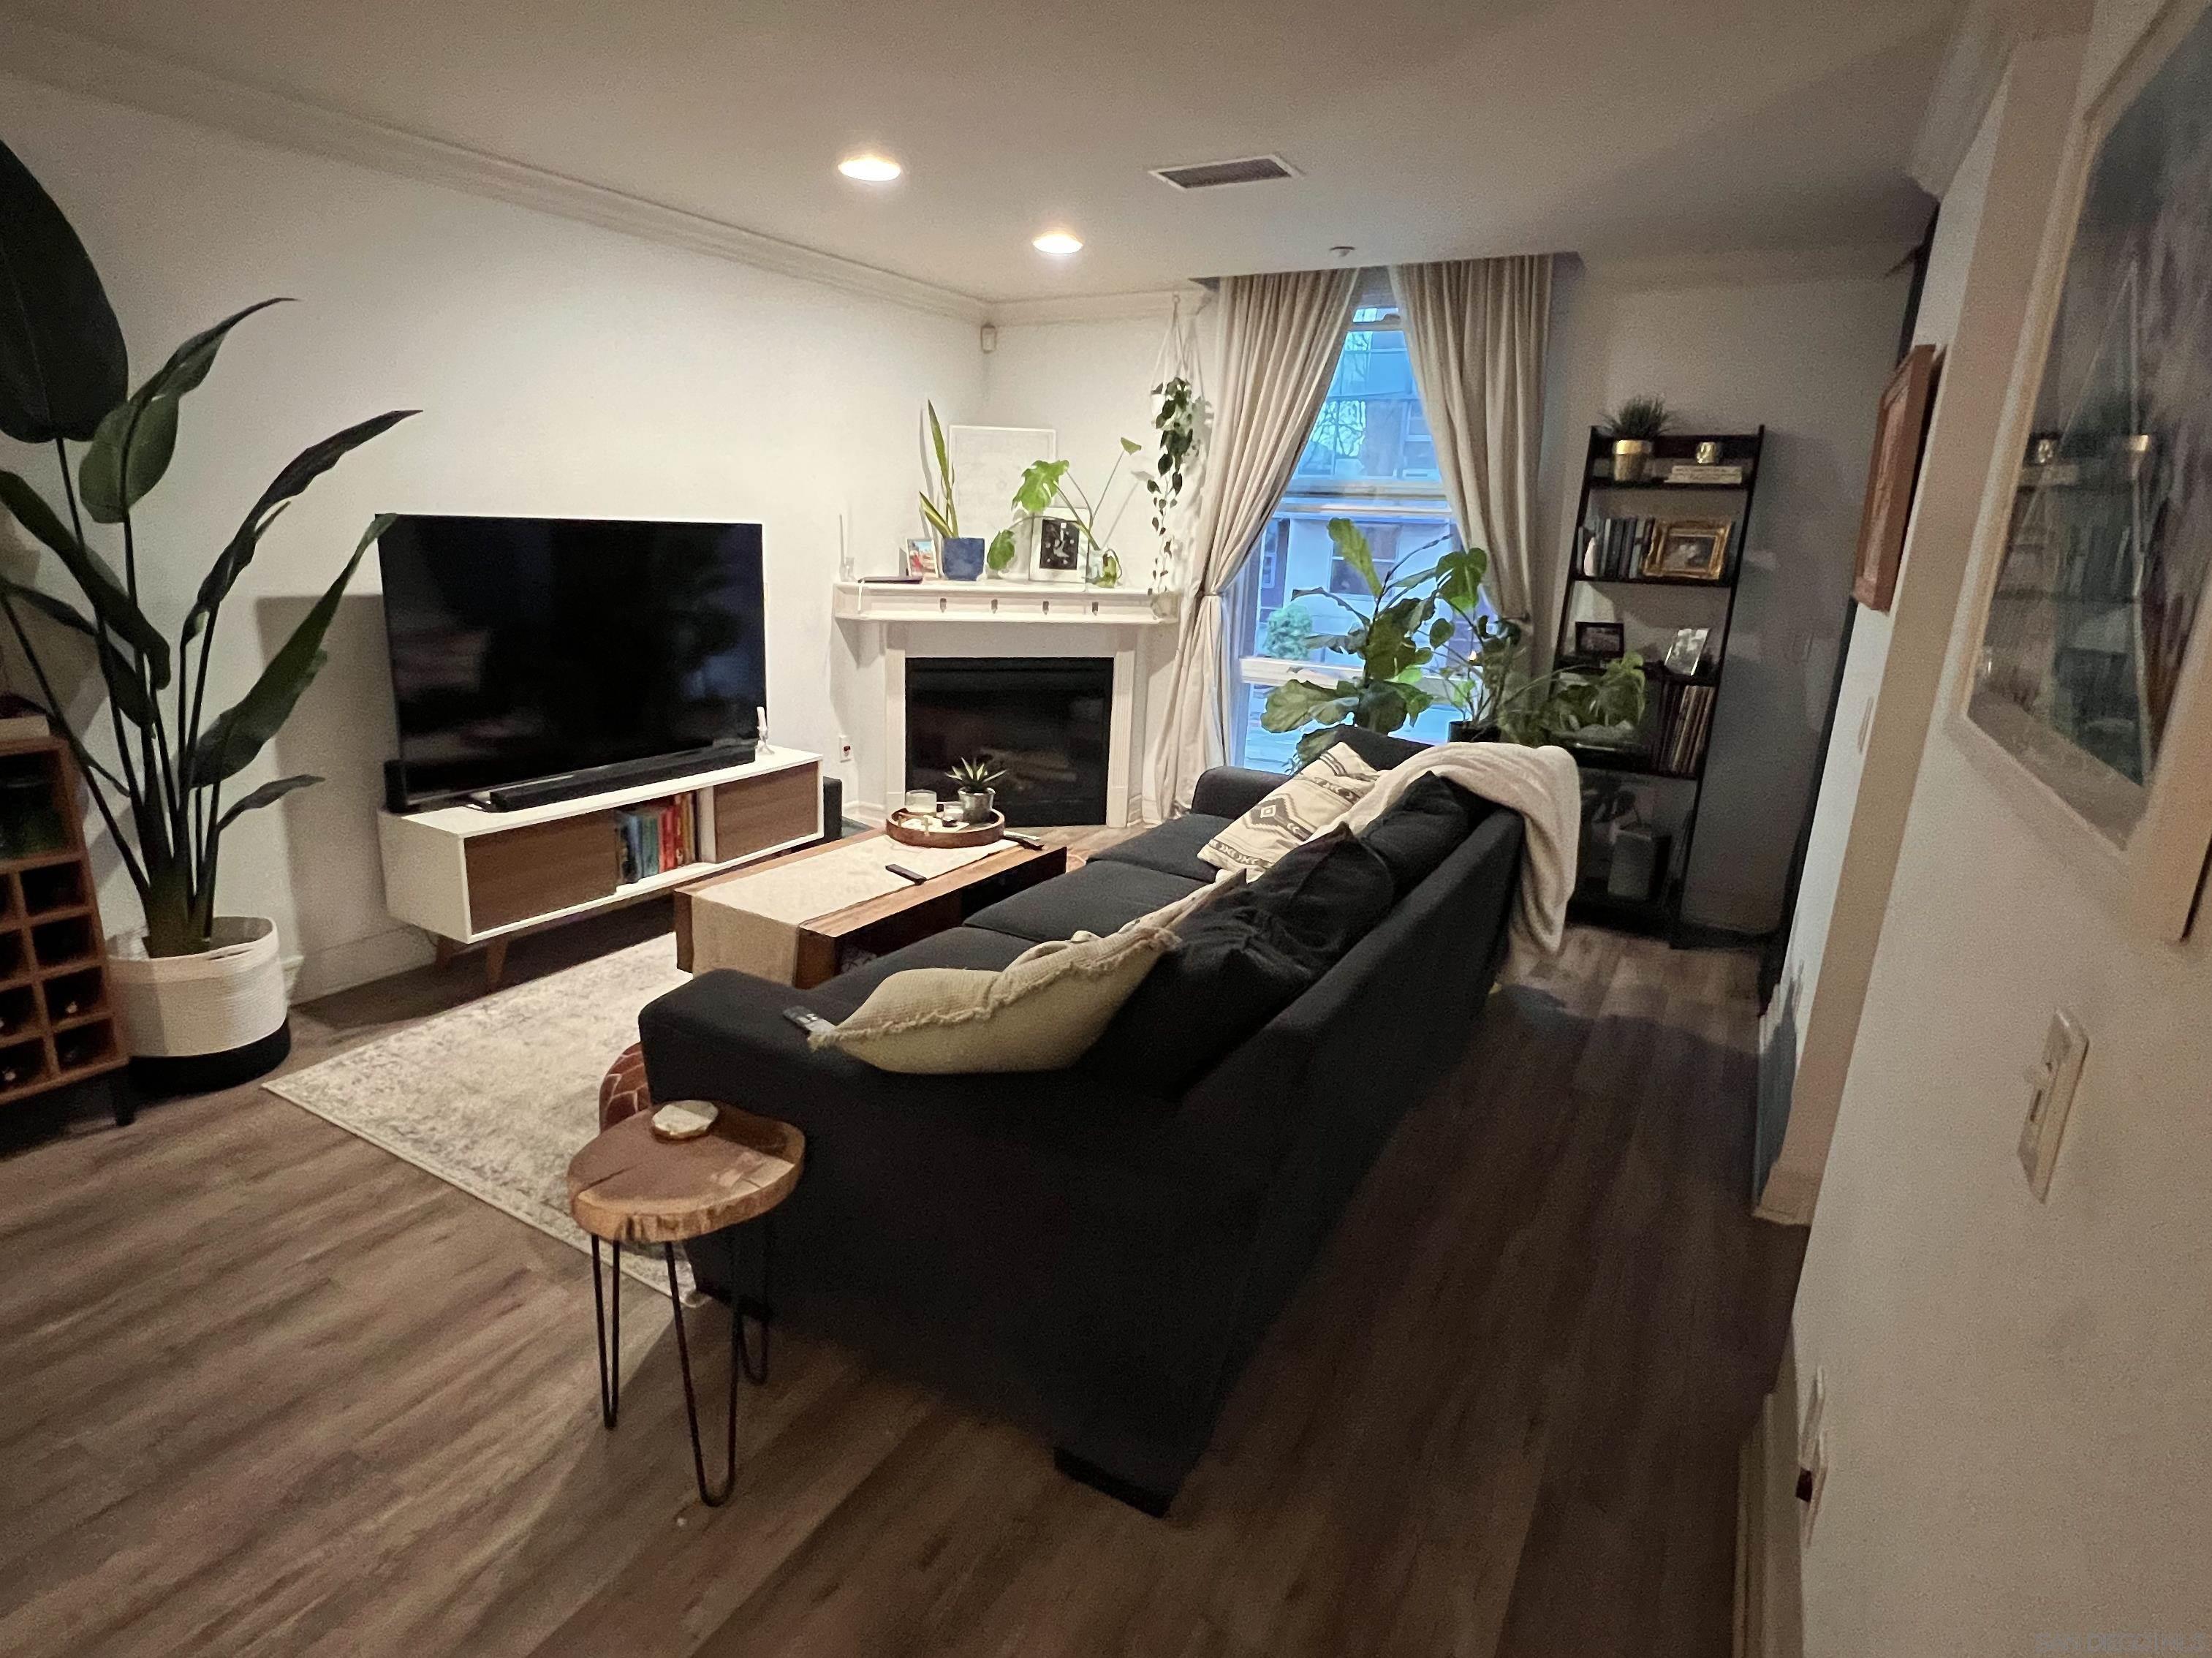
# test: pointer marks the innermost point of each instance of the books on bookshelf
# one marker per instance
(1684, 720)
(1613, 548)
(659, 836)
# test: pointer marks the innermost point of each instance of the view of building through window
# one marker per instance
(1369, 458)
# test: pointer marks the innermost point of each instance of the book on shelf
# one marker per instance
(1613, 548)
(658, 837)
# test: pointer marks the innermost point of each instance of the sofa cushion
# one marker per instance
(1236, 966)
(1418, 833)
(960, 946)
(1097, 898)
(1040, 1013)
(1328, 893)
(1307, 803)
(1171, 848)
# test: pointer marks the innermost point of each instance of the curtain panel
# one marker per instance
(1280, 334)
(1475, 332)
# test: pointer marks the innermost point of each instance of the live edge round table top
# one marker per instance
(629, 1187)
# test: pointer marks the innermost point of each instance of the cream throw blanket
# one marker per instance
(1544, 787)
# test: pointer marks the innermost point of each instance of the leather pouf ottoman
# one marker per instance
(622, 1092)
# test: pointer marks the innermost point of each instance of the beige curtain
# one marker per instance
(1280, 334)
(1474, 330)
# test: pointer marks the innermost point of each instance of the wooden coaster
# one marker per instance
(685, 1120)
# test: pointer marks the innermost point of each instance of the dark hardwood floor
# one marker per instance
(265, 1388)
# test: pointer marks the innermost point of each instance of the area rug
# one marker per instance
(494, 1097)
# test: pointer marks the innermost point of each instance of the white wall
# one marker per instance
(2018, 1393)
(1806, 355)
(561, 369)
(1983, 255)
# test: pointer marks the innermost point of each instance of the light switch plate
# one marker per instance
(2065, 1046)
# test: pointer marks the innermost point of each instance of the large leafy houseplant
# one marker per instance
(1402, 633)
(64, 378)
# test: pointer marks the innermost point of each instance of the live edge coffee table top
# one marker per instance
(629, 1187)
(713, 929)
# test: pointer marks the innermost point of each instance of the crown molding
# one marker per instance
(101, 69)
(1161, 304)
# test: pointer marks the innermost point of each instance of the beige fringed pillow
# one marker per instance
(1313, 799)
(1040, 1013)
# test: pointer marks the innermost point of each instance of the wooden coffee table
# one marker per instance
(630, 1185)
(879, 926)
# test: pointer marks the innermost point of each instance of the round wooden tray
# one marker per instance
(907, 830)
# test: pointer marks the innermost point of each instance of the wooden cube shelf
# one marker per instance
(57, 1020)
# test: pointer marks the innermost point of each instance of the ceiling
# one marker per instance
(1421, 129)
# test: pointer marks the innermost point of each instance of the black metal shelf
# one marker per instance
(1662, 912)
(1722, 584)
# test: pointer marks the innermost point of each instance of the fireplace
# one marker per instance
(1043, 720)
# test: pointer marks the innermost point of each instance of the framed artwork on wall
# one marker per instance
(1900, 432)
(2086, 696)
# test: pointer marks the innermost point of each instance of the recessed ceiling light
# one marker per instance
(869, 169)
(1058, 243)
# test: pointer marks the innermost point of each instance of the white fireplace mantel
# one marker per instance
(890, 620)
(1049, 602)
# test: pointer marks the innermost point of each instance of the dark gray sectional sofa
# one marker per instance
(1086, 1251)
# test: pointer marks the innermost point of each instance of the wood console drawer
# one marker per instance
(515, 875)
(755, 813)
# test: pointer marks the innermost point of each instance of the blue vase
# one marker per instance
(961, 557)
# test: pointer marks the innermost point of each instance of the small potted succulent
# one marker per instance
(1633, 426)
(978, 799)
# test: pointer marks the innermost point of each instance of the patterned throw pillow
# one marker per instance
(1294, 813)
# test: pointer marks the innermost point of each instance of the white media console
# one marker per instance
(471, 877)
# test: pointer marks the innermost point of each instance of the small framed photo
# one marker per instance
(1690, 549)
(921, 559)
(1601, 641)
(1058, 550)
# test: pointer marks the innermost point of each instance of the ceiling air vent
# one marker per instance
(1207, 175)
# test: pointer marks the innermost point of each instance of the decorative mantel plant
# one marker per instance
(64, 379)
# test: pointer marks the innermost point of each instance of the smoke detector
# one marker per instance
(1210, 175)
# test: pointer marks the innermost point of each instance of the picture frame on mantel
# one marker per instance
(1900, 435)
(1059, 549)
(2086, 699)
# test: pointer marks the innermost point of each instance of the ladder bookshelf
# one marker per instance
(1613, 577)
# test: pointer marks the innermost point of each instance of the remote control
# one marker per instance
(1035, 843)
(807, 1019)
(905, 874)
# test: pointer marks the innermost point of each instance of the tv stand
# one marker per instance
(469, 877)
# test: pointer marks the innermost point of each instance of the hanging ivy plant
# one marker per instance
(1175, 420)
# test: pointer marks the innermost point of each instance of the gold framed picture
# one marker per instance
(1690, 549)
(1900, 430)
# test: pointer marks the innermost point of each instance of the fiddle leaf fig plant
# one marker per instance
(1403, 634)
(64, 378)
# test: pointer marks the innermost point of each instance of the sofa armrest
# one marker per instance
(1232, 791)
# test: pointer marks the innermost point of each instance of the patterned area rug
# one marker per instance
(496, 1096)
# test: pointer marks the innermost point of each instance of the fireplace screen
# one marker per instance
(1041, 720)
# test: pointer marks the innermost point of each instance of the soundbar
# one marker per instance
(598, 779)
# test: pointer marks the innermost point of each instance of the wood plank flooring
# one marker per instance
(264, 1389)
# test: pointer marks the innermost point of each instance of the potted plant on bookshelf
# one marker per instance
(1634, 427)
(978, 798)
(200, 994)
(959, 558)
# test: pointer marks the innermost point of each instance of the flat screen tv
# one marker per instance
(529, 647)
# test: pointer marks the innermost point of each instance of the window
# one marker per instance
(1369, 458)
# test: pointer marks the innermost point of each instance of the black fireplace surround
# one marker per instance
(1043, 720)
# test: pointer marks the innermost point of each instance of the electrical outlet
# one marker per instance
(844, 748)
(1816, 1411)
(2053, 1080)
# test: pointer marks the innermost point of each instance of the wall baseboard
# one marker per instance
(341, 966)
